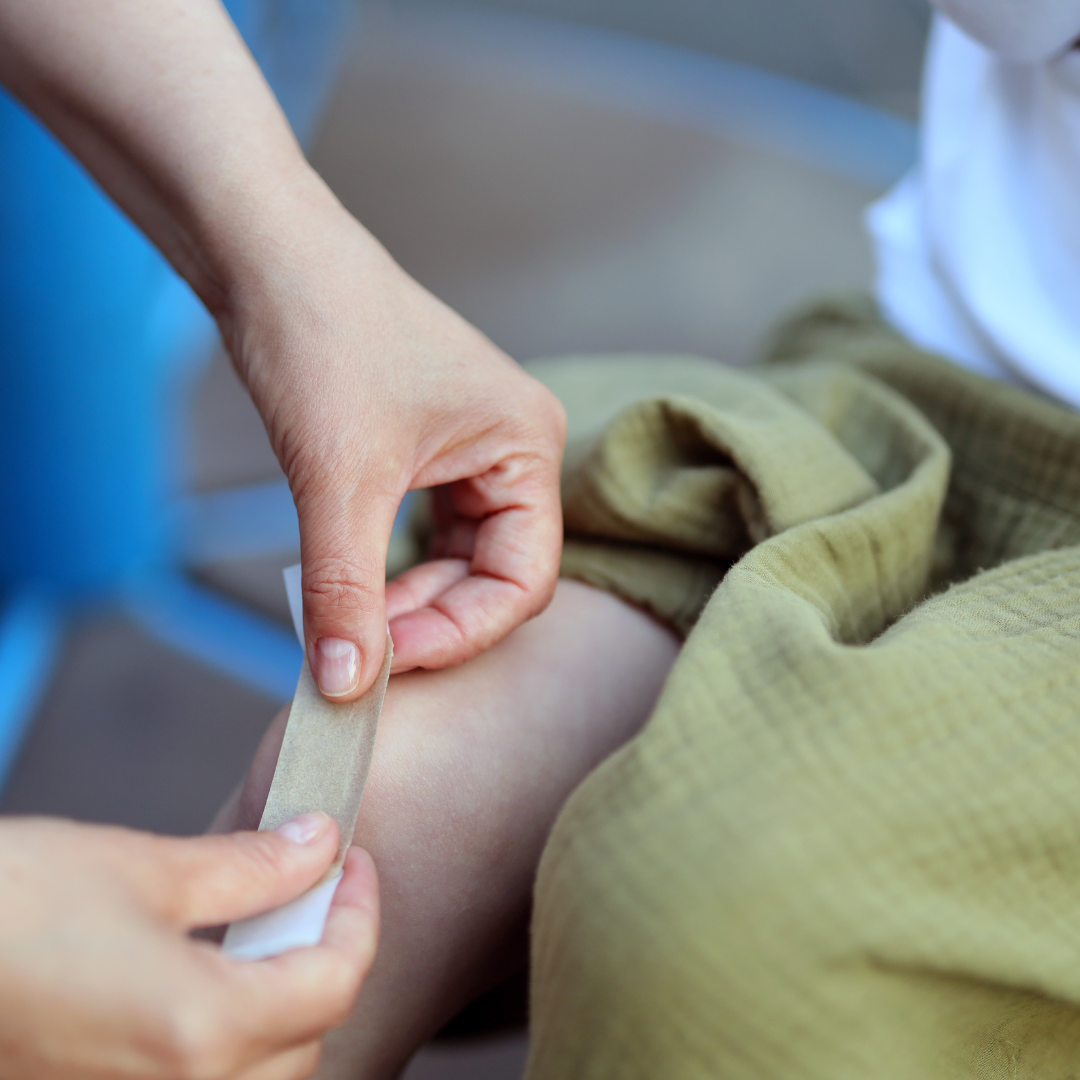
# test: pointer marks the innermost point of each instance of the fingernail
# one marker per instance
(305, 829)
(337, 666)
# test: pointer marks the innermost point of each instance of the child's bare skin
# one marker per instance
(471, 767)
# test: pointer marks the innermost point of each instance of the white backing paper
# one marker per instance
(301, 921)
(294, 925)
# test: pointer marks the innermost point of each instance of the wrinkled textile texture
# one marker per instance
(847, 843)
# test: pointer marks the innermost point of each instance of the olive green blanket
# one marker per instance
(847, 844)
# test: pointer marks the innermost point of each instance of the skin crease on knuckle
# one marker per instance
(334, 584)
(479, 625)
(267, 858)
(298, 1064)
(200, 1046)
(199, 1038)
(516, 482)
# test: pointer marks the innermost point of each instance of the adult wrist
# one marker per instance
(249, 236)
(294, 288)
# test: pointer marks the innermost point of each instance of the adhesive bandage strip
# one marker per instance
(323, 765)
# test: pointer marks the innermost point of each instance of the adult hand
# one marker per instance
(367, 384)
(370, 387)
(99, 979)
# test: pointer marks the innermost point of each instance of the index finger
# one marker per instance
(511, 577)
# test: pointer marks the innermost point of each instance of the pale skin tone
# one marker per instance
(470, 768)
(368, 387)
(99, 979)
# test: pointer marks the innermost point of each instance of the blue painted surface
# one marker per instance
(98, 335)
(84, 375)
(31, 628)
(99, 343)
(258, 519)
(222, 635)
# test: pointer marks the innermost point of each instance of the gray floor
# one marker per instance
(555, 228)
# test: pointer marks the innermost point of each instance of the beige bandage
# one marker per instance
(326, 755)
(323, 765)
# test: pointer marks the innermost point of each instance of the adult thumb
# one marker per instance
(209, 880)
(343, 579)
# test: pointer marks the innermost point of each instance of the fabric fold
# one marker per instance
(845, 844)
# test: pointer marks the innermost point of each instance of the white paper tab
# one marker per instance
(294, 925)
(296, 600)
(301, 921)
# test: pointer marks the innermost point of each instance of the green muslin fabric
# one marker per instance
(846, 846)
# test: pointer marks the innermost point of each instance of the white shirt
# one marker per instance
(978, 248)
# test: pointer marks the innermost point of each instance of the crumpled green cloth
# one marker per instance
(846, 846)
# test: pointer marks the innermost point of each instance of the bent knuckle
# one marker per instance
(548, 412)
(557, 416)
(302, 1063)
(340, 987)
(542, 595)
(192, 1044)
(338, 583)
(266, 855)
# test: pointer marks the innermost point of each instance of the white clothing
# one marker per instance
(978, 248)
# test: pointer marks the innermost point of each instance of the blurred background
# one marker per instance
(572, 176)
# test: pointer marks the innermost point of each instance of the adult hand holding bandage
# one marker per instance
(99, 977)
(323, 766)
(391, 391)
(368, 385)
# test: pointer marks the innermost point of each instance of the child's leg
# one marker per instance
(471, 766)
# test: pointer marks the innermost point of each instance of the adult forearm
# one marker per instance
(163, 103)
